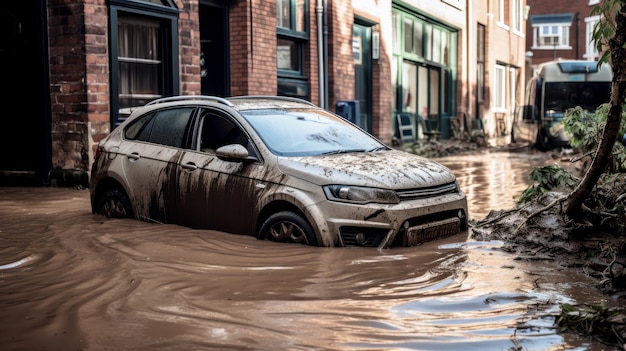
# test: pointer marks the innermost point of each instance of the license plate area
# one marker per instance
(432, 231)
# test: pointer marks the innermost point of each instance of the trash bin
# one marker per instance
(349, 109)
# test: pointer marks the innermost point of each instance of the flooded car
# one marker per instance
(278, 168)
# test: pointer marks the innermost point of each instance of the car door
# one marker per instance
(153, 145)
(217, 193)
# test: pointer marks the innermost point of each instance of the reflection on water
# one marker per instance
(493, 181)
(72, 280)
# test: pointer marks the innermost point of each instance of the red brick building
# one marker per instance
(77, 66)
(560, 30)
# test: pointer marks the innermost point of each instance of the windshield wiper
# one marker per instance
(346, 151)
(379, 148)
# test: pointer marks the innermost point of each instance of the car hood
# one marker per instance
(390, 169)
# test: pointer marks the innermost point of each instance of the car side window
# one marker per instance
(218, 131)
(165, 127)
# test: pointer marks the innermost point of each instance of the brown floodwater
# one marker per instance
(71, 280)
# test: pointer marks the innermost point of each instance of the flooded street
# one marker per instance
(71, 280)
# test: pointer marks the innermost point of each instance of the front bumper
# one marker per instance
(408, 223)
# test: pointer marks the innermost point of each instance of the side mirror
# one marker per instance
(232, 152)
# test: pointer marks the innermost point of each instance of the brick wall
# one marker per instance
(189, 48)
(253, 47)
(580, 8)
(340, 65)
(79, 77)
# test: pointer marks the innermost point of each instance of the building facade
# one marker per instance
(560, 30)
(84, 64)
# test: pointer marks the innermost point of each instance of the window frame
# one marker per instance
(166, 15)
(562, 36)
(296, 79)
(591, 51)
(499, 88)
(517, 9)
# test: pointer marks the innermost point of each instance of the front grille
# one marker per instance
(410, 194)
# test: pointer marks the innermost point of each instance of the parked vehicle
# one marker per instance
(276, 168)
(559, 86)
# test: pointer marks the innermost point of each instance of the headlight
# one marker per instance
(360, 195)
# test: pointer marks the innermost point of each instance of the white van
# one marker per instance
(559, 85)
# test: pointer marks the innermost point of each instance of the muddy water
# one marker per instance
(72, 280)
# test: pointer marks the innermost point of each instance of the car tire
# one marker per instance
(114, 203)
(287, 226)
(543, 142)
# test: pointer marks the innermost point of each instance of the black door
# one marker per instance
(25, 94)
(214, 48)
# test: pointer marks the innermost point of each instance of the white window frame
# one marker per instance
(512, 88)
(517, 9)
(502, 15)
(594, 2)
(562, 34)
(499, 88)
(591, 52)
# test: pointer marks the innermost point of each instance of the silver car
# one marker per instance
(276, 168)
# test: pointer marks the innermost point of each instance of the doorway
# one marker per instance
(214, 68)
(362, 52)
(25, 136)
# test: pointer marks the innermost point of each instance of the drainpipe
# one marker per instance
(325, 10)
(320, 52)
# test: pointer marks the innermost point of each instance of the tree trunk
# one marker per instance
(609, 134)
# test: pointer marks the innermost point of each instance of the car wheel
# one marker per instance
(114, 203)
(288, 226)
(543, 142)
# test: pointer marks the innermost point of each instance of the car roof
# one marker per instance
(239, 102)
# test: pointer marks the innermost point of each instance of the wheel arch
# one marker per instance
(284, 205)
(104, 185)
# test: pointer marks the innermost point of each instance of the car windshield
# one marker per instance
(308, 132)
(560, 96)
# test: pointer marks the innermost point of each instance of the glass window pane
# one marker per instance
(169, 127)
(434, 94)
(283, 13)
(428, 34)
(139, 61)
(409, 87)
(437, 45)
(300, 22)
(417, 39)
(396, 32)
(287, 55)
(408, 36)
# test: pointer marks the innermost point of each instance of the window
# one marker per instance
(551, 31)
(517, 15)
(165, 127)
(503, 12)
(423, 73)
(413, 37)
(499, 91)
(480, 62)
(144, 54)
(513, 88)
(140, 58)
(292, 36)
(591, 52)
(218, 131)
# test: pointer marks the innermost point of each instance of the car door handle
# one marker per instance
(134, 156)
(189, 166)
